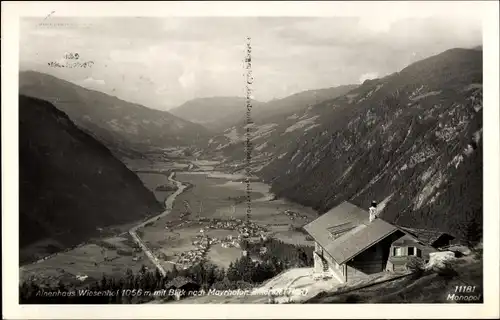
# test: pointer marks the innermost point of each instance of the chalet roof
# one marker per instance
(360, 238)
(178, 282)
(343, 213)
(425, 235)
(345, 231)
(362, 233)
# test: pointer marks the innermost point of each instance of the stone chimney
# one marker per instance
(373, 211)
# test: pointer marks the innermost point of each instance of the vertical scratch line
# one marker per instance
(248, 147)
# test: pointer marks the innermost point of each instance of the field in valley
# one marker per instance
(217, 195)
(108, 256)
(214, 195)
(154, 180)
(112, 255)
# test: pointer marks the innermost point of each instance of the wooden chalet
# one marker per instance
(351, 244)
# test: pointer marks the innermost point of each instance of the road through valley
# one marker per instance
(168, 208)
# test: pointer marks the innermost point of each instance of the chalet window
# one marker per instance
(412, 251)
(397, 251)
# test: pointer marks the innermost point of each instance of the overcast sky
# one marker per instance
(163, 62)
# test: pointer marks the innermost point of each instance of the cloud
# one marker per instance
(187, 79)
(368, 76)
(166, 61)
(90, 83)
(93, 82)
(162, 90)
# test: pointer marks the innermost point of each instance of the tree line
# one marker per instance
(257, 266)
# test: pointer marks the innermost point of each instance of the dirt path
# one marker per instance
(168, 208)
(293, 285)
(297, 285)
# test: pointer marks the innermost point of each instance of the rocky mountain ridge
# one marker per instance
(278, 120)
(411, 141)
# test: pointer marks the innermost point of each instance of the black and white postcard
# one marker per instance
(210, 156)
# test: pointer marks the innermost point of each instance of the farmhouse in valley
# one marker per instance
(352, 243)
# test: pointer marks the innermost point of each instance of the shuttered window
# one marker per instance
(397, 251)
(412, 251)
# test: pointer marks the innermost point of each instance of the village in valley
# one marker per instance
(203, 241)
(245, 231)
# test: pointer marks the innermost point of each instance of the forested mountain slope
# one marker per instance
(214, 113)
(299, 101)
(69, 183)
(276, 123)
